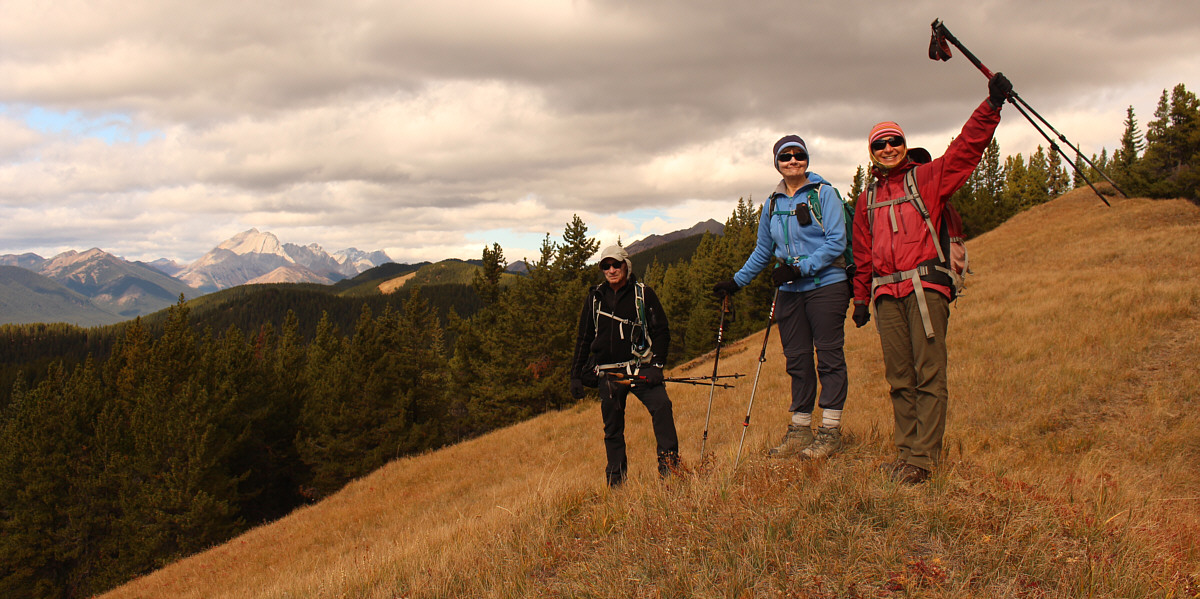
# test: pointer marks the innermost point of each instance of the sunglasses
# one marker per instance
(610, 265)
(789, 157)
(882, 143)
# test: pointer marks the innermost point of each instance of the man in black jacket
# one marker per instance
(622, 346)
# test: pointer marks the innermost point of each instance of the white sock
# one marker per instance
(831, 418)
(801, 419)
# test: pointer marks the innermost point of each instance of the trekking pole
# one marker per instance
(681, 379)
(716, 362)
(762, 357)
(939, 50)
(620, 378)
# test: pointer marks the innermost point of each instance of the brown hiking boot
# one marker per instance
(888, 468)
(909, 474)
(827, 443)
(794, 441)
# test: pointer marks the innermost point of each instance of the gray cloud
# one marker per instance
(416, 126)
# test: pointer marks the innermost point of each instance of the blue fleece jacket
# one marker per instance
(813, 248)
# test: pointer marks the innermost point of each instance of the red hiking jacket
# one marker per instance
(878, 250)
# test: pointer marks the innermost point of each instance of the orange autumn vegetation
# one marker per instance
(1073, 445)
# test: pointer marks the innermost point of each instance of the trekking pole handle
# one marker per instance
(943, 31)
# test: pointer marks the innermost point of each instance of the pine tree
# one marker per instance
(1058, 180)
(486, 280)
(858, 184)
(576, 249)
(1171, 162)
(1038, 179)
(1016, 195)
(989, 189)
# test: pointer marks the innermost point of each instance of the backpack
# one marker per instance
(639, 330)
(951, 265)
(814, 206)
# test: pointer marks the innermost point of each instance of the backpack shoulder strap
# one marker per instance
(814, 204)
(870, 201)
(914, 194)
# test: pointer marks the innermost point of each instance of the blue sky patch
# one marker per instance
(111, 128)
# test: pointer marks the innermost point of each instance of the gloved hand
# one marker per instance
(577, 390)
(651, 376)
(725, 288)
(862, 315)
(785, 274)
(998, 89)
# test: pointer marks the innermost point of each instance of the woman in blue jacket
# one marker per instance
(814, 295)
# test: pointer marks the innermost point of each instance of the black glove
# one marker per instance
(862, 315)
(785, 274)
(725, 288)
(577, 390)
(651, 376)
(998, 89)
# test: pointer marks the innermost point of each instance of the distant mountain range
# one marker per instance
(653, 241)
(104, 289)
(95, 288)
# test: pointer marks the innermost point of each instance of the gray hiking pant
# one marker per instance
(811, 320)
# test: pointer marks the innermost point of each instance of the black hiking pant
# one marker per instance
(612, 409)
(811, 320)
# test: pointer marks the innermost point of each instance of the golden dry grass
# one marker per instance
(1072, 471)
(391, 285)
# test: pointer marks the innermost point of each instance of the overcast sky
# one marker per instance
(430, 129)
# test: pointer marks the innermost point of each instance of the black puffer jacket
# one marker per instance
(605, 342)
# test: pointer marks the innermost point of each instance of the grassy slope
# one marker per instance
(1073, 443)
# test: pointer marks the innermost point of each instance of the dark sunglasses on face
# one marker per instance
(881, 143)
(788, 157)
(610, 265)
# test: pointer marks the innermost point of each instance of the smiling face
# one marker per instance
(792, 162)
(889, 151)
(615, 272)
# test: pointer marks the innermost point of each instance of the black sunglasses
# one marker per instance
(788, 157)
(882, 143)
(610, 265)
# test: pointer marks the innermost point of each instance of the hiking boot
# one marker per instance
(668, 464)
(794, 441)
(909, 474)
(827, 443)
(888, 468)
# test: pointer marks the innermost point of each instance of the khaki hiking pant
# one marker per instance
(915, 368)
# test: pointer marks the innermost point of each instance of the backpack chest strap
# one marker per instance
(891, 206)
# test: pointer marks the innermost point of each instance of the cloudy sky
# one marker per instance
(160, 128)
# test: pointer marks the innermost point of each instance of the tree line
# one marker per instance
(163, 439)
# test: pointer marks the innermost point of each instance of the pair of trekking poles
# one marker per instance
(762, 357)
(939, 49)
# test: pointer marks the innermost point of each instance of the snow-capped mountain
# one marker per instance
(255, 256)
(359, 260)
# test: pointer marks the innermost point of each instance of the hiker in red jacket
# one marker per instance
(902, 273)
